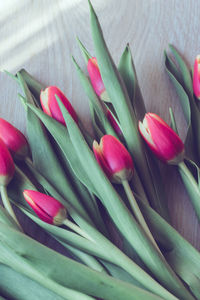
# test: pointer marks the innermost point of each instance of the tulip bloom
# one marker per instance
(114, 159)
(14, 140)
(7, 167)
(196, 77)
(161, 139)
(50, 105)
(47, 208)
(113, 123)
(96, 79)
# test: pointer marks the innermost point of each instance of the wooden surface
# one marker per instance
(41, 35)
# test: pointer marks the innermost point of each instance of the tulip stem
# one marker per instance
(137, 212)
(7, 205)
(191, 186)
(77, 229)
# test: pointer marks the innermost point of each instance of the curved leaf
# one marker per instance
(182, 256)
(185, 73)
(127, 71)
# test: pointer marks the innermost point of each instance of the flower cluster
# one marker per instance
(74, 184)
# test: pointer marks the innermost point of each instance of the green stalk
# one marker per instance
(137, 212)
(191, 186)
(77, 229)
(87, 259)
(7, 205)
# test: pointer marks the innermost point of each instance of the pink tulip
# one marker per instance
(96, 80)
(7, 167)
(113, 158)
(161, 139)
(47, 208)
(50, 105)
(196, 77)
(14, 140)
(113, 123)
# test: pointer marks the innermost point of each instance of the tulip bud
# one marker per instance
(113, 123)
(7, 167)
(161, 139)
(96, 79)
(50, 104)
(14, 140)
(196, 77)
(47, 208)
(114, 159)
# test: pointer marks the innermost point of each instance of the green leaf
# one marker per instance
(96, 127)
(58, 131)
(192, 187)
(184, 99)
(185, 103)
(173, 121)
(5, 218)
(194, 169)
(127, 71)
(171, 66)
(181, 255)
(185, 73)
(49, 267)
(84, 51)
(190, 109)
(22, 258)
(16, 286)
(85, 258)
(119, 273)
(33, 84)
(119, 213)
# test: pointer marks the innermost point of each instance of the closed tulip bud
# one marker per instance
(50, 105)
(161, 139)
(47, 208)
(196, 77)
(114, 159)
(7, 167)
(113, 123)
(14, 140)
(96, 80)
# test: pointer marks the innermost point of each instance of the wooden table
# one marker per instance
(40, 36)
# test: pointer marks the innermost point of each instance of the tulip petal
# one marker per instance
(115, 154)
(50, 105)
(162, 140)
(46, 207)
(196, 77)
(7, 167)
(95, 76)
(13, 139)
(100, 159)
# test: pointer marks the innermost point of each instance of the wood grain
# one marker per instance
(41, 37)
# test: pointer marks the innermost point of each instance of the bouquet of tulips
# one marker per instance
(101, 197)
